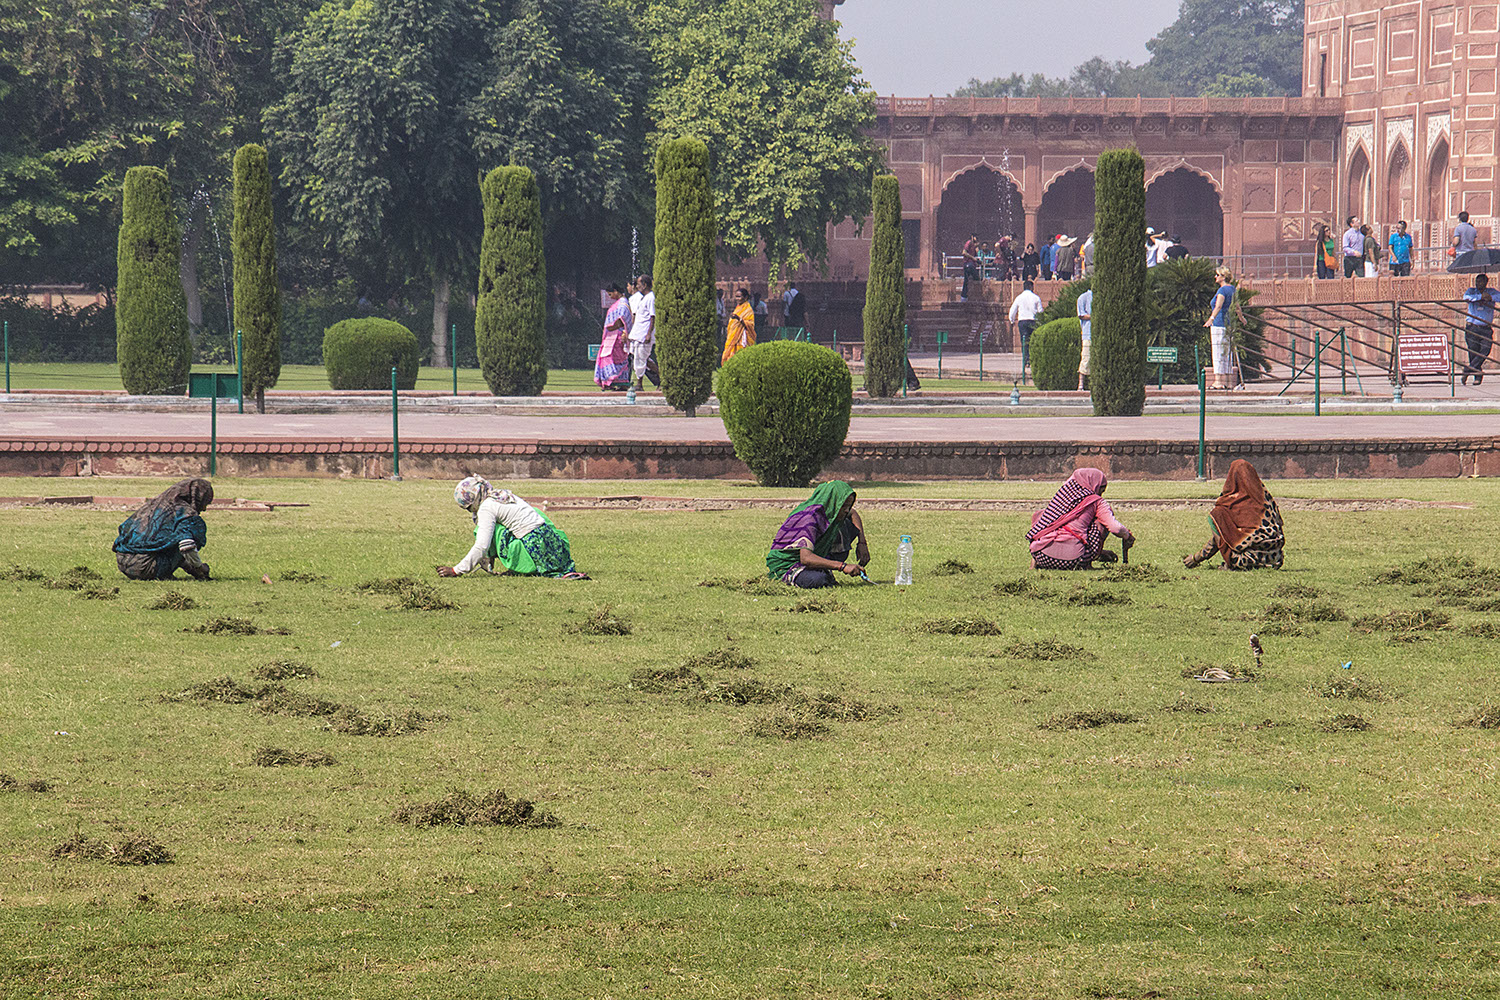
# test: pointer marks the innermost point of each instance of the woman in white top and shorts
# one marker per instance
(1218, 328)
(510, 531)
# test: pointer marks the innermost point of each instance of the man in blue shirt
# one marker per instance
(1400, 244)
(1085, 323)
(1354, 249)
(1479, 332)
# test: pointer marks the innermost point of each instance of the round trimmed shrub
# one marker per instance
(1055, 351)
(785, 405)
(360, 353)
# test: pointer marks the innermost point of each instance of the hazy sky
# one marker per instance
(912, 48)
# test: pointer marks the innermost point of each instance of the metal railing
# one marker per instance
(1261, 266)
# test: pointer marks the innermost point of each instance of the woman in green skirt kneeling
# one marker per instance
(510, 531)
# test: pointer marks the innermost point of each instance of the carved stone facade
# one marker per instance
(1231, 176)
(1417, 81)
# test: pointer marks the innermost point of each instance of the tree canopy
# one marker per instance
(1238, 48)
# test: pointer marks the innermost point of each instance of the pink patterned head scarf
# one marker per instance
(1083, 486)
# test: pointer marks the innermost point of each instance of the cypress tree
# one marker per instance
(257, 292)
(510, 320)
(687, 327)
(885, 293)
(1117, 355)
(151, 327)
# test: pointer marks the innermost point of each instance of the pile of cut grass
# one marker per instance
(747, 691)
(462, 808)
(1291, 618)
(1022, 587)
(783, 723)
(960, 626)
(1483, 630)
(22, 574)
(277, 699)
(1352, 687)
(1084, 596)
(172, 600)
(1144, 573)
(410, 593)
(1186, 704)
(134, 849)
(817, 604)
(1296, 592)
(277, 757)
(77, 578)
(1091, 719)
(1405, 626)
(666, 680)
(10, 783)
(297, 576)
(603, 621)
(759, 586)
(97, 593)
(952, 567)
(283, 670)
(723, 658)
(1441, 569)
(1484, 717)
(230, 625)
(1346, 723)
(1046, 649)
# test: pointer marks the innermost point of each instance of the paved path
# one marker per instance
(427, 427)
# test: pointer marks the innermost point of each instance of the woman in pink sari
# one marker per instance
(1069, 532)
(612, 369)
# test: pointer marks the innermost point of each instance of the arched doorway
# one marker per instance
(1067, 207)
(1398, 190)
(1437, 184)
(1357, 194)
(983, 202)
(1184, 204)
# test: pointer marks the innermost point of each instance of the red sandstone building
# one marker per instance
(1397, 120)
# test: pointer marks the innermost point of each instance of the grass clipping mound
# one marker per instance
(135, 849)
(172, 600)
(460, 808)
(276, 699)
(1087, 720)
(960, 626)
(410, 594)
(77, 578)
(229, 625)
(10, 783)
(277, 757)
(603, 621)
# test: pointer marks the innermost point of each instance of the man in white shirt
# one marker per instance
(643, 332)
(1086, 328)
(1023, 313)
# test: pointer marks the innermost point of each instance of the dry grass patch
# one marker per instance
(1484, 717)
(134, 849)
(1352, 687)
(1346, 723)
(1087, 720)
(277, 757)
(461, 808)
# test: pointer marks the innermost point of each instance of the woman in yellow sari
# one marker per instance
(741, 327)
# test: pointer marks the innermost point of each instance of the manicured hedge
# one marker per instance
(687, 327)
(257, 291)
(885, 293)
(1055, 350)
(785, 405)
(511, 319)
(151, 327)
(360, 353)
(1117, 348)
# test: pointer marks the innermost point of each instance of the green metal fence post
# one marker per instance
(905, 355)
(1318, 346)
(941, 337)
(239, 367)
(1202, 423)
(1343, 362)
(7, 355)
(981, 357)
(453, 353)
(395, 431)
(213, 431)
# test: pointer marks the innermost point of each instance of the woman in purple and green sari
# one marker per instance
(814, 542)
(612, 369)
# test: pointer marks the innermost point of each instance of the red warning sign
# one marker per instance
(1423, 354)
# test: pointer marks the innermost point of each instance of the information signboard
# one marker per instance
(1423, 354)
(1161, 355)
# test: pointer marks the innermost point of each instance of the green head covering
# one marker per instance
(831, 497)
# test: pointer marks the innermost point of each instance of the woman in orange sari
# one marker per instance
(1247, 524)
(741, 327)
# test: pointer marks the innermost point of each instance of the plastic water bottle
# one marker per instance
(903, 562)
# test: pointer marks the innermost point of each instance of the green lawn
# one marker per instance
(1223, 845)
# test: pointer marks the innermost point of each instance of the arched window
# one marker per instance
(1184, 204)
(1398, 187)
(1437, 184)
(1357, 194)
(1067, 207)
(983, 202)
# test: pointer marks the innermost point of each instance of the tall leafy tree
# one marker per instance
(394, 106)
(779, 100)
(1121, 311)
(510, 319)
(885, 293)
(1213, 38)
(257, 288)
(152, 343)
(686, 323)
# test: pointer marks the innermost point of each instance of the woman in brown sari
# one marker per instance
(1247, 524)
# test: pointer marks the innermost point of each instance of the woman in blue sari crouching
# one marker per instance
(166, 533)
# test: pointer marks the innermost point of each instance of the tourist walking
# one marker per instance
(1069, 533)
(741, 327)
(1247, 524)
(1218, 327)
(1085, 329)
(1065, 258)
(1464, 235)
(510, 531)
(612, 367)
(1400, 244)
(1479, 331)
(1354, 249)
(165, 533)
(643, 333)
(794, 308)
(1024, 309)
